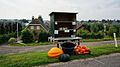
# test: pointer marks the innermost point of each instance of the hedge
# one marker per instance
(91, 36)
(4, 38)
(43, 37)
(27, 36)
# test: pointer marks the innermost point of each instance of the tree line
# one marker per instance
(8, 29)
(98, 30)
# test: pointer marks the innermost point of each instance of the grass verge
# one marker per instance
(31, 44)
(41, 58)
(97, 40)
(48, 43)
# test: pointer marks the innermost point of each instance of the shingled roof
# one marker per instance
(40, 21)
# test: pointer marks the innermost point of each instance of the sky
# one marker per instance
(87, 9)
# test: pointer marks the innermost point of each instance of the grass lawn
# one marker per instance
(49, 43)
(40, 58)
(31, 44)
(97, 40)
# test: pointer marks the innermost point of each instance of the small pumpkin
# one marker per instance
(81, 49)
(84, 47)
(87, 49)
(55, 52)
(77, 49)
(64, 57)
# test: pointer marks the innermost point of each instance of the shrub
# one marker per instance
(100, 34)
(4, 38)
(12, 40)
(82, 32)
(43, 37)
(27, 36)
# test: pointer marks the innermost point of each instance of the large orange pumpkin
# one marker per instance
(82, 49)
(55, 52)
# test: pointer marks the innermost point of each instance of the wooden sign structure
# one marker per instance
(63, 26)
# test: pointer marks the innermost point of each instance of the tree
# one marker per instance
(2, 31)
(24, 21)
(117, 26)
(43, 37)
(112, 29)
(82, 33)
(27, 36)
(94, 28)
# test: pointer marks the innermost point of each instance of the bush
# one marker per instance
(27, 36)
(12, 40)
(85, 34)
(43, 37)
(4, 38)
(82, 32)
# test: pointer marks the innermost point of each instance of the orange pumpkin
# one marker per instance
(55, 52)
(84, 47)
(77, 49)
(82, 50)
(87, 49)
(85, 52)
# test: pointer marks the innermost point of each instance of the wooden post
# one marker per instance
(78, 42)
(58, 45)
(56, 42)
(114, 34)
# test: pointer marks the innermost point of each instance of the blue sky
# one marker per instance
(87, 9)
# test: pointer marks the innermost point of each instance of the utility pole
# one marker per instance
(17, 32)
(104, 30)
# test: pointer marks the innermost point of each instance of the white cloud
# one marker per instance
(87, 9)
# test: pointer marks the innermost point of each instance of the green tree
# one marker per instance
(118, 29)
(94, 27)
(81, 32)
(43, 37)
(27, 36)
(112, 29)
(24, 20)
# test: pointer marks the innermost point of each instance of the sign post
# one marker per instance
(115, 39)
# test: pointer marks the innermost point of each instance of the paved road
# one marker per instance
(5, 49)
(112, 60)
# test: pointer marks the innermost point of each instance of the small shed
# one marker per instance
(63, 24)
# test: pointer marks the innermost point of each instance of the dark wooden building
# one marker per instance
(63, 24)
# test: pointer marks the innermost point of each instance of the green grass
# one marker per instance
(41, 58)
(99, 50)
(31, 44)
(97, 40)
(25, 59)
(49, 43)
(92, 40)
